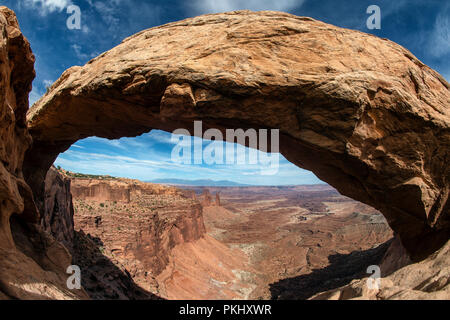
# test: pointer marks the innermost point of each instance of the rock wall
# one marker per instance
(32, 263)
(98, 190)
(427, 280)
(217, 202)
(206, 199)
(16, 76)
(57, 218)
(140, 233)
(395, 258)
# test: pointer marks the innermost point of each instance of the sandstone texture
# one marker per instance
(360, 112)
(426, 280)
(32, 263)
(57, 218)
(17, 73)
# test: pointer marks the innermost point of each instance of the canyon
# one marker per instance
(219, 243)
(157, 234)
(362, 113)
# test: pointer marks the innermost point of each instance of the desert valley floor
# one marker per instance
(138, 240)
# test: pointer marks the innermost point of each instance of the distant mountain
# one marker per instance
(199, 183)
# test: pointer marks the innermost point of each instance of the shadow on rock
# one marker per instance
(100, 277)
(343, 268)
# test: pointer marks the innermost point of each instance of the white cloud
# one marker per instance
(214, 6)
(35, 95)
(47, 83)
(81, 55)
(140, 158)
(122, 144)
(47, 6)
(440, 38)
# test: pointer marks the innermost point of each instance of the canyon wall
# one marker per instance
(206, 199)
(32, 263)
(426, 280)
(101, 190)
(17, 74)
(142, 231)
(57, 217)
(158, 237)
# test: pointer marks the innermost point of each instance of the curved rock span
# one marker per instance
(360, 112)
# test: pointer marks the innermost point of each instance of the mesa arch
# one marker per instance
(360, 112)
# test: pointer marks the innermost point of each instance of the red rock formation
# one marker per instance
(26, 251)
(57, 218)
(375, 99)
(426, 280)
(395, 258)
(206, 198)
(99, 190)
(103, 277)
(142, 232)
(160, 239)
(217, 202)
(17, 73)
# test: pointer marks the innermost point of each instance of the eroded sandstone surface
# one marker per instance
(426, 280)
(17, 73)
(32, 262)
(57, 218)
(361, 112)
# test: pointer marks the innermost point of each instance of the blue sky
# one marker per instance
(423, 27)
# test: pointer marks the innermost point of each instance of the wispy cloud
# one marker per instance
(80, 54)
(122, 144)
(47, 6)
(35, 95)
(121, 18)
(214, 6)
(148, 157)
(47, 83)
(439, 44)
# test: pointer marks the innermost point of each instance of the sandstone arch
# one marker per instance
(361, 112)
